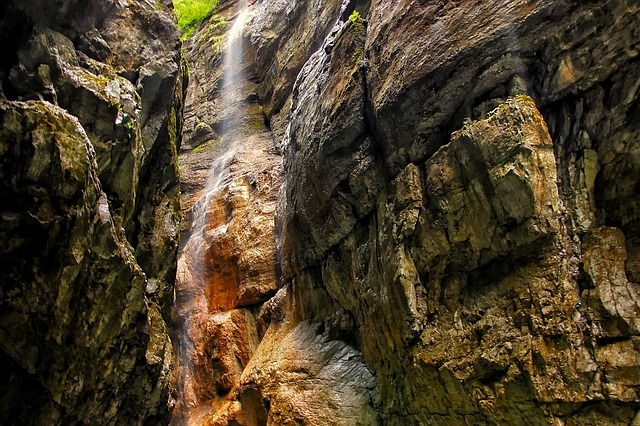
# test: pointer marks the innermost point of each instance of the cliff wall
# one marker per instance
(406, 212)
(457, 226)
(91, 113)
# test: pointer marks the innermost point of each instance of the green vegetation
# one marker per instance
(214, 30)
(200, 126)
(203, 146)
(190, 13)
(359, 35)
(258, 125)
(354, 17)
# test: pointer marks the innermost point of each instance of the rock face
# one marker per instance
(479, 309)
(231, 174)
(91, 113)
(457, 227)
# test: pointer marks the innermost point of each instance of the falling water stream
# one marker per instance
(191, 308)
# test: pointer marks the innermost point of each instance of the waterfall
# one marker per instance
(233, 77)
(191, 310)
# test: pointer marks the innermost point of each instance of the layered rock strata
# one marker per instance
(91, 113)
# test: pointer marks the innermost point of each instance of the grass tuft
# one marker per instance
(190, 13)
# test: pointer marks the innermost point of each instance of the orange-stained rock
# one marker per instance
(298, 375)
(229, 263)
(227, 266)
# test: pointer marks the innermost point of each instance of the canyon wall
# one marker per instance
(91, 113)
(456, 232)
(397, 212)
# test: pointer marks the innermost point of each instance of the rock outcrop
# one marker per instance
(457, 225)
(461, 262)
(91, 113)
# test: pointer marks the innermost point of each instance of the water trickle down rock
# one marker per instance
(241, 267)
(227, 266)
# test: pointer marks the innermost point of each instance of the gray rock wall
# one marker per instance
(463, 263)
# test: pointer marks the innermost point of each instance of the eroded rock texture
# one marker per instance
(457, 227)
(231, 174)
(91, 112)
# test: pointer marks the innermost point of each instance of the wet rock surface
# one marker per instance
(458, 207)
(422, 213)
(91, 116)
(231, 173)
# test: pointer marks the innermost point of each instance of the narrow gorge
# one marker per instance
(338, 212)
